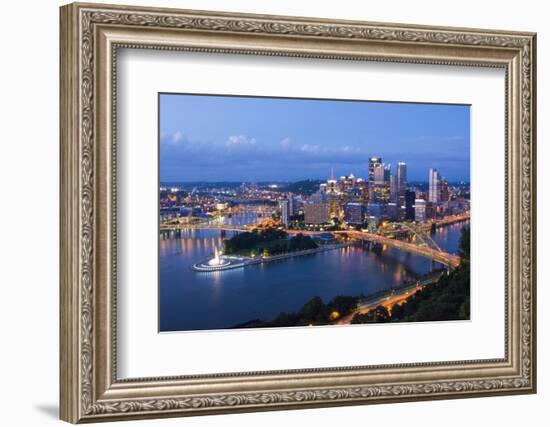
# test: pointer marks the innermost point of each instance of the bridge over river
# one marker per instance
(440, 256)
(207, 226)
(435, 254)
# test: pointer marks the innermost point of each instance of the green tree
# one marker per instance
(464, 244)
(342, 304)
(301, 243)
(378, 314)
(314, 311)
(448, 299)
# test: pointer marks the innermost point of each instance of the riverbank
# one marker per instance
(323, 248)
(242, 261)
(223, 299)
(342, 309)
(391, 297)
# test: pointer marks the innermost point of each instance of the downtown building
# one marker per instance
(394, 193)
(286, 213)
(391, 211)
(401, 182)
(376, 210)
(434, 179)
(316, 212)
(444, 193)
(353, 213)
(424, 210)
(374, 162)
(346, 183)
(380, 187)
(410, 199)
(420, 210)
(438, 190)
(333, 194)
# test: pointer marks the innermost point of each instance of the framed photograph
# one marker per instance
(265, 212)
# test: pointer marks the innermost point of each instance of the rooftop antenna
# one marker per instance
(332, 173)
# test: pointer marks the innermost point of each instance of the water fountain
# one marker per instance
(218, 259)
(220, 262)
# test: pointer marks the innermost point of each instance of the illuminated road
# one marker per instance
(386, 301)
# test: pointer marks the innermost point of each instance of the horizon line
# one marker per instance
(275, 181)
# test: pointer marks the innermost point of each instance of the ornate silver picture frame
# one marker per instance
(91, 35)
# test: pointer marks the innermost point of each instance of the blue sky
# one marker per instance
(221, 138)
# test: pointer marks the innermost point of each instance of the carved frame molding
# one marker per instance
(90, 37)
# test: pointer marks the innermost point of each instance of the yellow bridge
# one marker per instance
(437, 255)
(424, 250)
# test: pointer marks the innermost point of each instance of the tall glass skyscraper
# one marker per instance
(284, 205)
(374, 162)
(434, 188)
(380, 183)
(401, 178)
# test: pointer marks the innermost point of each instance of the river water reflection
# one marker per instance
(194, 301)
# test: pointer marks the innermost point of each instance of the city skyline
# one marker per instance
(305, 139)
(330, 173)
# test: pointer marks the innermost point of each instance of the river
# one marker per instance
(197, 301)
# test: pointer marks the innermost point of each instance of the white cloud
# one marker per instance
(285, 143)
(177, 137)
(309, 148)
(234, 140)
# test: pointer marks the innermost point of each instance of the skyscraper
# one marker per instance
(334, 200)
(333, 195)
(373, 163)
(380, 186)
(363, 187)
(332, 184)
(285, 212)
(393, 189)
(420, 210)
(353, 213)
(378, 173)
(434, 186)
(444, 190)
(375, 210)
(387, 173)
(392, 211)
(401, 178)
(291, 205)
(410, 197)
(346, 183)
(316, 213)
(354, 195)
(319, 196)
